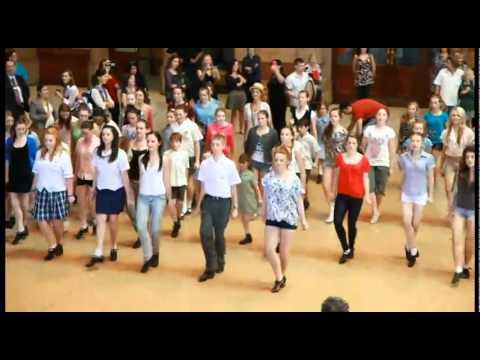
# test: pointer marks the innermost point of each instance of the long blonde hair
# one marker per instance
(461, 125)
(58, 143)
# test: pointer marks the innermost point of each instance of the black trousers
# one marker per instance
(215, 213)
(344, 204)
(363, 92)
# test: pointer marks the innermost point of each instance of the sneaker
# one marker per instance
(283, 282)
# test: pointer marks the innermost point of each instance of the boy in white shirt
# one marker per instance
(447, 83)
(218, 195)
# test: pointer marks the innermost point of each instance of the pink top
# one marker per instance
(227, 131)
(84, 162)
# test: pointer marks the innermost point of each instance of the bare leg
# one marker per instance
(101, 228)
(470, 241)
(327, 186)
(272, 238)
(458, 224)
(48, 233)
(84, 205)
(17, 210)
(407, 225)
(58, 230)
(286, 237)
(25, 206)
(448, 187)
(113, 224)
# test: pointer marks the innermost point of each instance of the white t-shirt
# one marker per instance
(190, 134)
(296, 83)
(251, 117)
(378, 153)
(151, 180)
(109, 174)
(449, 84)
(51, 175)
(218, 176)
(452, 147)
(179, 168)
(297, 147)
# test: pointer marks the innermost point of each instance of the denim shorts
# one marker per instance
(465, 213)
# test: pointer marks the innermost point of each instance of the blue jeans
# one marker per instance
(467, 214)
(150, 207)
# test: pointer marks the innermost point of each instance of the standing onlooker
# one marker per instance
(447, 83)
(84, 172)
(364, 69)
(237, 98)
(379, 145)
(190, 58)
(53, 181)
(42, 112)
(252, 109)
(113, 87)
(176, 161)
(467, 95)
(259, 144)
(251, 69)
(283, 204)
(174, 78)
(223, 127)
(20, 69)
(277, 97)
(70, 94)
(153, 194)
(207, 75)
(334, 138)
(129, 88)
(463, 211)
(100, 95)
(351, 181)
(417, 188)
(17, 92)
(218, 195)
(296, 82)
(134, 69)
(111, 187)
(249, 196)
(20, 152)
(146, 110)
(455, 139)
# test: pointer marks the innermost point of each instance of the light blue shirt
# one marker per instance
(206, 113)
(416, 173)
(21, 70)
(426, 145)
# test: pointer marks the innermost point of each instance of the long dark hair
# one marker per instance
(280, 65)
(327, 134)
(146, 157)
(22, 119)
(72, 80)
(463, 171)
(115, 143)
(67, 123)
(232, 64)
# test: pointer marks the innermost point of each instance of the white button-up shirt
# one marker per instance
(296, 83)
(218, 176)
(449, 84)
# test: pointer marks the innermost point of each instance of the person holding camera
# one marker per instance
(296, 82)
(113, 87)
(207, 74)
(251, 70)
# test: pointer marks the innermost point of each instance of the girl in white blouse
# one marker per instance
(53, 181)
(112, 185)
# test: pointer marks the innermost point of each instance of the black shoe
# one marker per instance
(81, 233)
(319, 178)
(10, 223)
(277, 286)
(50, 255)
(407, 254)
(413, 258)
(94, 260)
(283, 282)
(113, 254)
(19, 236)
(146, 266)
(154, 260)
(207, 275)
(136, 244)
(176, 229)
(220, 269)
(456, 278)
(59, 250)
(466, 273)
(248, 239)
(306, 204)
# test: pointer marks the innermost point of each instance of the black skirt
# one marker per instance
(110, 202)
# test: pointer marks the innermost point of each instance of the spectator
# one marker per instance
(70, 94)
(134, 69)
(364, 69)
(277, 98)
(145, 109)
(207, 75)
(447, 83)
(237, 98)
(42, 112)
(251, 69)
(129, 88)
(20, 69)
(174, 78)
(252, 109)
(335, 304)
(100, 95)
(17, 92)
(113, 87)
(296, 82)
(467, 95)
(179, 99)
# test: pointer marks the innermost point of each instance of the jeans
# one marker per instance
(150, 207)
(344, 203)
(215, 215)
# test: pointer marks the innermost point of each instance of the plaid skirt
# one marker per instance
(51, 206)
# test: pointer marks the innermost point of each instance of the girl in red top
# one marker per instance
(221, 126)
(351, 175)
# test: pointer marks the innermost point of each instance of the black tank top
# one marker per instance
(465, 197)
(19, 166)
(307, 115)
(134, 171)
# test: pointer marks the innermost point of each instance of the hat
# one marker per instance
(258, 86)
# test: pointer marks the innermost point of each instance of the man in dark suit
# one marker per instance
(17, 92)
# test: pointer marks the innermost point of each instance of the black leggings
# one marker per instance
(363, 92)
(345, 203)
